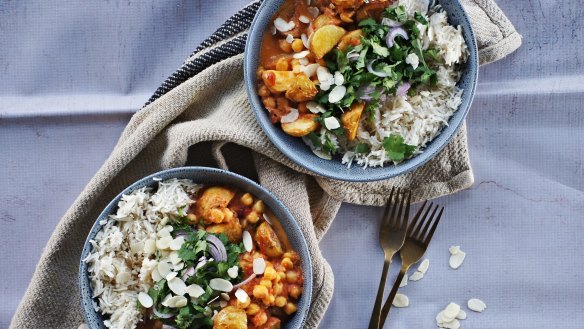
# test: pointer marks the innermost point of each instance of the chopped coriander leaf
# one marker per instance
(315, 140)
(396, 149)
(362, 148)
(420, 18)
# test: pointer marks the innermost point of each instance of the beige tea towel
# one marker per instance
(200, 113)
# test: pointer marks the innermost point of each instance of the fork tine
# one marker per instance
(388, 207)
(427, 223)
(404, 220)
(395, 207)
(433, 229)
(422, 220)
(401, 210)
(415, 219)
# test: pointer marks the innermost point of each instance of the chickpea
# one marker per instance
(282, 275)
(216, 215)
(270, 273)
(285, 46)
(269, 102)
(252, 217)
(287, 263)
(258, 206)
(252, 309)
(282, 64)
(297, 45)
(280, 301)
(192, 219)
(260, 319)
(247, 199)
(269, 300)
(266, 283)
(290, 308)
(291, 276)
(278, 288)
(260, 291)
(294, 290)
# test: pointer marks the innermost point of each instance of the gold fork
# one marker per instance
(391, 237)
(419, 234)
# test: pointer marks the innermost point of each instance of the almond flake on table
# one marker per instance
(401, 300)
(461, 315)
(447, 318)
(331, 123)
(456, 259)
(424, 266)
(477, 305)
(404, 281)
(417, 276)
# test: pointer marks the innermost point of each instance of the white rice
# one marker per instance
(420, 118)
(119, 266)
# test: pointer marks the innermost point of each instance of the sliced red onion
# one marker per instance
(403, 89)
(352, 55)
(393, 33)
(161, 315)
(390, 22)
(290, 117)
(377, 73)
(188, 273)
(166, 326)
(217, 248)
(244, 282)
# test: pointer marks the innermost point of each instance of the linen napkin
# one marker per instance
(202, 112)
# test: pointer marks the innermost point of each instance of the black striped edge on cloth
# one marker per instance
(236, 24)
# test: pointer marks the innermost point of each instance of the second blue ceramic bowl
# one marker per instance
(295, 149)
(203, 175)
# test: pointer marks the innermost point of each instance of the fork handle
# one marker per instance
(389, 300)
(374, 321)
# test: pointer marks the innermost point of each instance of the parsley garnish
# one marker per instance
(396, 149)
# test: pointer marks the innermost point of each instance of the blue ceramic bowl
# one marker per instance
(295, 149)
(204, 175)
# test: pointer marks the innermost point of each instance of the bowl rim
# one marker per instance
(434, 147)
(152, 179)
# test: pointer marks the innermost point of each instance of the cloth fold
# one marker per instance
(205, 101)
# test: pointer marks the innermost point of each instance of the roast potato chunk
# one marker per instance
(325, 39)
(352, 38)
(350, 120)
(212, 203)
(348, 3)
(230, 317)
(323, 20)
(303, 126)
(302, 89)
(278, 81)
(268, 241)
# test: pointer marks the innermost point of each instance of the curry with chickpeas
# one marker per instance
(191, 256)
(374, 81)
(238, 273)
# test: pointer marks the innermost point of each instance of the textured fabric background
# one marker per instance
(159, 137)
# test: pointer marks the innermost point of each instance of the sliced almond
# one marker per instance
(225, 296)
(145, 299)
(164, 242)
(283, 26)
(241, 295)
(339, 78)
(454, 250)
(220, 285)
(314, 107)
(177, 286)
(304, 39)
(461, 315)
(417, 276)
(123, 277)
(171, 276)
(424, 266)
(222, 304)
(176, 243)
(477, 305)
(313, 11)
(155, 275)
(247, 241)
(404, 281)
(331, 123)
(309, 70)
(289, 38)
(322, 155)
(289, 118)
(401, 300)
(233, 272)
(149, 246)
(337, 94)
(177, 301)
(301, 54)
(451, 311)
(456, 260)
(454, 324)
(163, 269)
(304, 19)
(194, 290)
(259, 266)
